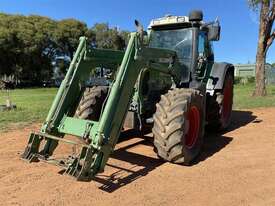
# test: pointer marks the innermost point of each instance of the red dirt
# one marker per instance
(235, 168)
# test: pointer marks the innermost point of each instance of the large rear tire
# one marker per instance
(222, 105)
(91, 103)
(179, 125)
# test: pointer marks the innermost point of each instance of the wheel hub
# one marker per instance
(194, 127)
(227, 101)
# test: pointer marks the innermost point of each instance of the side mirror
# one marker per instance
(143, 34)
(214, 31)
(138, 25)
(139, 28)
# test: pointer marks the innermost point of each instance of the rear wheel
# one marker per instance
(179, 125)
(91, 103)
(222, 105)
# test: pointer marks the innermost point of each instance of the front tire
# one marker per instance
(179, 125)
(91, 103)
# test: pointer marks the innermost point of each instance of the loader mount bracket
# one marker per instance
(79, 167)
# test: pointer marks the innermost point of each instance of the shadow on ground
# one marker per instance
(214, 142)
(241, 119)
(143, 163)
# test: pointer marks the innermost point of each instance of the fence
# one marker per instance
(246, 71)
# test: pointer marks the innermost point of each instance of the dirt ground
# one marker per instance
(235, 168)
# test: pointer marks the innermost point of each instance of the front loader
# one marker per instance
(166, 80)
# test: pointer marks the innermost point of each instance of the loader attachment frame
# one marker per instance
(103, 135)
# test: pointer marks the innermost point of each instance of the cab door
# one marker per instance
(205, 56)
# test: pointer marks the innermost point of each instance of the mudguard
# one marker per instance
(217, 76)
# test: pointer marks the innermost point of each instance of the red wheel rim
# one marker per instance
(227, 101)
(194, 127)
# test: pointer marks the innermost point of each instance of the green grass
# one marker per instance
(243, 98)
(33, 104)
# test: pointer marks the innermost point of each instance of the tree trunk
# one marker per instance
(260, 89)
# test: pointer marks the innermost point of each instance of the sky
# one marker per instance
(239, 24)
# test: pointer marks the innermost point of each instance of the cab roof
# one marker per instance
(170, 21)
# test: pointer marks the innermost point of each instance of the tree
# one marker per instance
(30, 44)
(265, 39)
(109, 38)
(67, 35)
(24, 47)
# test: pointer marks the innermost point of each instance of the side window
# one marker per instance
(211, 52)
(202, 44)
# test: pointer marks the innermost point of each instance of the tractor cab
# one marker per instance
(190, 37)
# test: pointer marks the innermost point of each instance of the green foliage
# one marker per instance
(255, 3)
(24, 43)
(67, 35)
(109, 38)
(28, 44)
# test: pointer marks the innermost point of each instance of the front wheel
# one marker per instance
(179, 125)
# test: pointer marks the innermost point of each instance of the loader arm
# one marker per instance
(103, 134)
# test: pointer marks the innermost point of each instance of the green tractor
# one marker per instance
(166, 81)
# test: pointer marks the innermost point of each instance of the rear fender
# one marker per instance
(217, 76)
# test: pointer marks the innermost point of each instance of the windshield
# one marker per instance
(179, 40)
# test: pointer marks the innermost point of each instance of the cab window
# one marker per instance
(202, 44)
